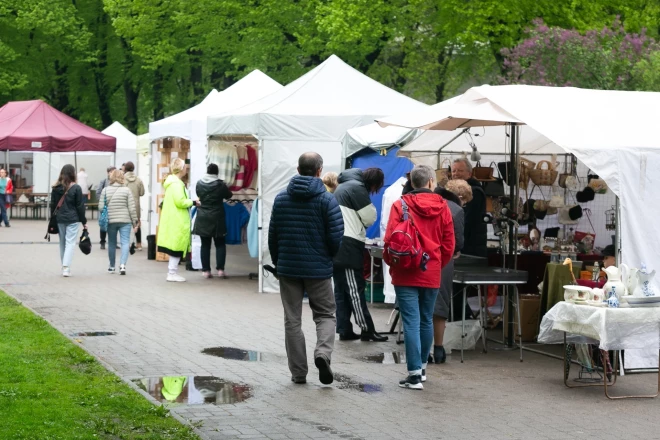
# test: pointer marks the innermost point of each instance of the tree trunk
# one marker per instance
(131, 89)
(100, 65)
(60, 95)
(159, 107)
(196, 75)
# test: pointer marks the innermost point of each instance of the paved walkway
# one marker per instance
(162, 329)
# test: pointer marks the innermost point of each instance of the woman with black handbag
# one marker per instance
(68, 209)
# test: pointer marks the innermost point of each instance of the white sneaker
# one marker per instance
(66, 272)
(122, 269)
(175, 278)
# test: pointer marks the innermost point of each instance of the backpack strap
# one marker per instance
(404, 207)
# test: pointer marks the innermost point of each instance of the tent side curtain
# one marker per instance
(393, 167)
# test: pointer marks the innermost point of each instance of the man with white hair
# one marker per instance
(476, 232)
(416, 264)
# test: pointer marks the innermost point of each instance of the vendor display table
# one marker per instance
(610, 328)
(556, 276)
(480, 276)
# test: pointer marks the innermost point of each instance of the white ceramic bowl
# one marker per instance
(579, 293)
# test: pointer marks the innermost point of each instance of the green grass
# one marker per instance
(52, 389)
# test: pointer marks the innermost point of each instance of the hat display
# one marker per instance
(575, 212)
(586, 195)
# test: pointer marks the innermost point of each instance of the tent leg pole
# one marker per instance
(75, 160)
(510, 341)
(260, 164)
(617, 232)
(7, 161)
(50, 157)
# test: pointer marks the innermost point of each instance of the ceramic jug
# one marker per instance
(629, 276)
(614, 283)
(644, 287)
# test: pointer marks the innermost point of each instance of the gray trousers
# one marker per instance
(322, 303)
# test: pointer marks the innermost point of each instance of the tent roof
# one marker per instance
(332, 89)
(125, 139)
(250, 88)
(143, 143)
(36, 126)
(376, 137)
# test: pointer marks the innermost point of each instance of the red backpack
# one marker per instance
(403, 249)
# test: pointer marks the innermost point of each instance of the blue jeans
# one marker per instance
(68, 238)
(124, 230)
(416, 307)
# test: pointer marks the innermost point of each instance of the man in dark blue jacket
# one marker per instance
(305, 232)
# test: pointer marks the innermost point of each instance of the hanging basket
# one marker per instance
(525, 166)
(543, 176)
(483, 174)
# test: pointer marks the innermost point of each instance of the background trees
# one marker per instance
(139, 60)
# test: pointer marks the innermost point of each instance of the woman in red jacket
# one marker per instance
(417, 288)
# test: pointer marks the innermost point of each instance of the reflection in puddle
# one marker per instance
(392, 357)
(94, 334)
(348, 383)
(194, 390)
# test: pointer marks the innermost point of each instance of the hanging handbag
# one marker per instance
(568, 215)
(496, 187)
(543, 176)
(597, 184)
(483, 173)
(52, 222)
(442, 173)
(557, 200)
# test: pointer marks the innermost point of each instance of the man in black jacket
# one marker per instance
(476, 232)
(305, 233)
(359, 213)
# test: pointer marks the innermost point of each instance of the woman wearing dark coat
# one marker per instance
(210, 223)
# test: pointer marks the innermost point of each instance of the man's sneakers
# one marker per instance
(111, 270)
(349, 337)
(299, 380)
(413, 382)
(102, 246)
(325, 373)
(372, 336)
(175, 278)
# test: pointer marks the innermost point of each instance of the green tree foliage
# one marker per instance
(139, 60)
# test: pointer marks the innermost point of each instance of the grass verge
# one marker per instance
(52, 389)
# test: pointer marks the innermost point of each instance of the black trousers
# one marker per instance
(349, 297)
(104, 234)
(138, 235)
(220, 253)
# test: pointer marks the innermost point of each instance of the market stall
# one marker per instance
(185, 135)
(310, 114)
(36, 128)
(595, 126)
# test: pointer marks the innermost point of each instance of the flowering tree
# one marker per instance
(597, 59)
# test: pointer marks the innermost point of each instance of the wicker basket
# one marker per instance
(525, 166)
(543, 176)
(482, 173)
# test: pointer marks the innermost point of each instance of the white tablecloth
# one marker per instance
(615, 329)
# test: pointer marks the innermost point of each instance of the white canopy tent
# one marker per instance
(143, 168)
(191, 124)
(126, 143)
(310, 114)
(601, 128)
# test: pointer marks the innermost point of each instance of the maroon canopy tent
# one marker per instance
(36, 126)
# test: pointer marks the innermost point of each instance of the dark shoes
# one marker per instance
(372, 336)
(349, 337)
(325, 373)
(412, 382)
(132, 249)
(299, 380)
(102, 246)
(439, 355)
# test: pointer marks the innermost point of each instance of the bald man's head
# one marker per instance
(310, 164)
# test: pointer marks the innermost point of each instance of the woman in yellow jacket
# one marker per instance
(174, 221)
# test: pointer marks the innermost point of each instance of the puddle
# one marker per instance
(194, 390)
(235, 354)
(239, 354)
(392, 357)
(348, 383)
(94, 334)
